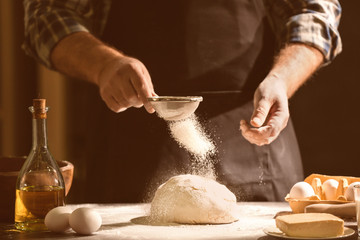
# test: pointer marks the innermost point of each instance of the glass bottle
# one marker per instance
(40, 185)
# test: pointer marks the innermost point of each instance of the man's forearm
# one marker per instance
(82, 56)
(294, 65)
(123, 81)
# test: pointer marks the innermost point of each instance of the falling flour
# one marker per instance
(190, 135)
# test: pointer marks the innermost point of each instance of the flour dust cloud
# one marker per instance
(190, 135)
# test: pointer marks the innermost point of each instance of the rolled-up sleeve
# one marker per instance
(312, 22)
(48, 21)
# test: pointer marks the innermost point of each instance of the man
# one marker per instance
(221, 49)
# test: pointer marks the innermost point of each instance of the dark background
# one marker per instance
(325, 111)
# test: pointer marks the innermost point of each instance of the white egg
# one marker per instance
(85, 221)
(329, 187)
(57, 219)
(301, 190)
(349, 193)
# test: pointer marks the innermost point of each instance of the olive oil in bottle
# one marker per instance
(40, 185)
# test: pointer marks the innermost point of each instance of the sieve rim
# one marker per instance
(175, 99)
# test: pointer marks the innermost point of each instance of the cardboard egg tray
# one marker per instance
(316, 180)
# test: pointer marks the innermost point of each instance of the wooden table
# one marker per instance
(128, 221)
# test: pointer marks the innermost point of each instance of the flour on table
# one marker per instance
(193, 199)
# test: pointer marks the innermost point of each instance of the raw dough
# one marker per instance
(193, 199)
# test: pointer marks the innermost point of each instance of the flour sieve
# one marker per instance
(173, 108)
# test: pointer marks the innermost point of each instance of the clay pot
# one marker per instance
(9, 170)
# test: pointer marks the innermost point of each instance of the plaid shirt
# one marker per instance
(312, 22)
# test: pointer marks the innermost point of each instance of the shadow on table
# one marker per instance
(147, 220)
(115, 225)
(144, 220)
(10, 232)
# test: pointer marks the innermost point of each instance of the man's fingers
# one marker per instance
(261, 111)
(147, 76)
(126, 83)
(144, 89)
(278, 117)
(277, 122)
(130, 94)
(114, 104)
(259, 136)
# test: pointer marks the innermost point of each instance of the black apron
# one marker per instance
(220, 49)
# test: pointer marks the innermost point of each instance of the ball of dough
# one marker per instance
(85, 221)
(192, 199)
(57, 219)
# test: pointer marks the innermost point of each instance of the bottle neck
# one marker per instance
(39, 133)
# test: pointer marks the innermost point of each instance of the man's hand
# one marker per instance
(125, 82)
(271, 113)
(294, 65)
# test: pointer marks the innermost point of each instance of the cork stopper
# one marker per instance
(39, 108)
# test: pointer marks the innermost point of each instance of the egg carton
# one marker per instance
(316, 181)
